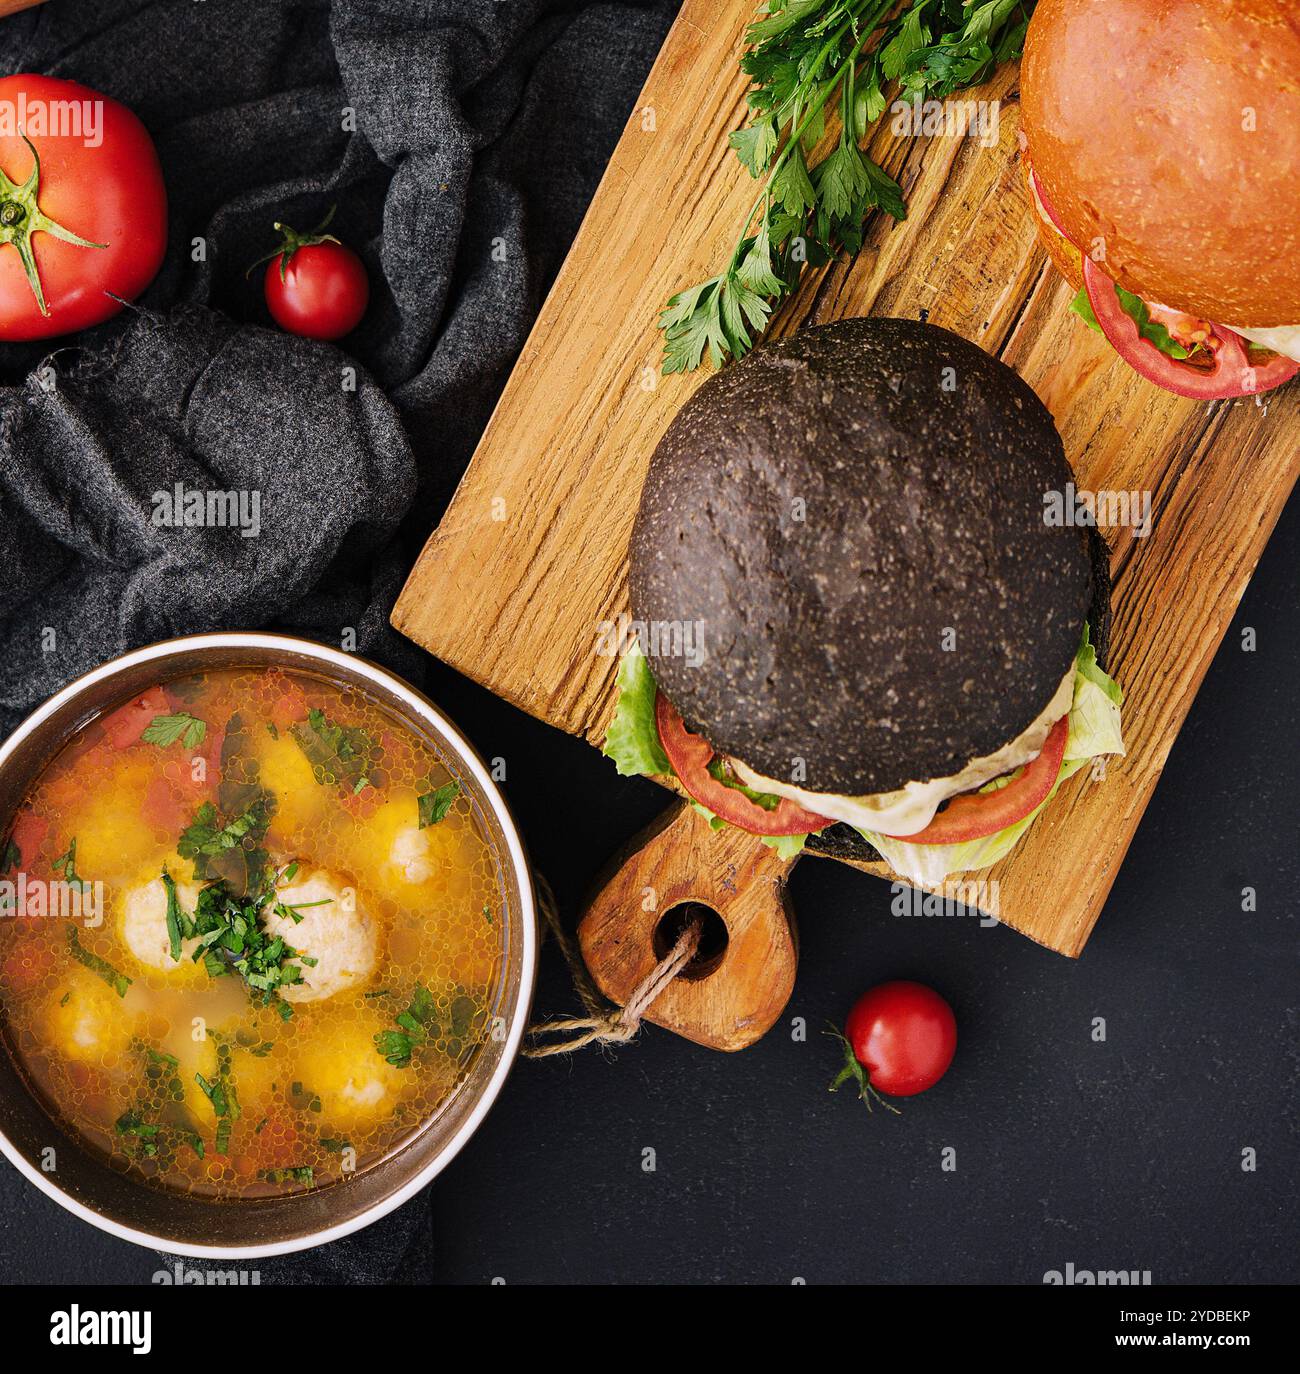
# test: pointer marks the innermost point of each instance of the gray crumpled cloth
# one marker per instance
(461, 141)
(481, 129)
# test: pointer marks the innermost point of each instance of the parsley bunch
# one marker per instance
(805, 58)
(232, 936)
(229, 850)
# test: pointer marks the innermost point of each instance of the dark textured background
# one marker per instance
(1119, 1155)
(1122, 1155)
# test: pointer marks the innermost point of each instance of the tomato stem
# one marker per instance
(21, 217)
(853, 1070)
(291, 240)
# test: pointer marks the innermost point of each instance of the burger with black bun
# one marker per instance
(856, 626)
(1162, 154)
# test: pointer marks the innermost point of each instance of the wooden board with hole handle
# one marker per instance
(531, 557)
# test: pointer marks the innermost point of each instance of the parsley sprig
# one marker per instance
(342, 755)
(433, 806)
(65, 866)
(805, 58)
(220, 1092)
(420, 1016)
(164, 731)
(152, 1137)
(421, 1023)
(162, 1090)
(101, 968)
(229, 849)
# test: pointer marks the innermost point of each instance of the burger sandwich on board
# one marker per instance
(1161, 144)
(856, 624)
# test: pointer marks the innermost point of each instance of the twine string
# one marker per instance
(603, 1024)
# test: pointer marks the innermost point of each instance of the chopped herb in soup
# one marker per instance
(246, 943)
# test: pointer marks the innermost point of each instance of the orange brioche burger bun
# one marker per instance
(1169, 132)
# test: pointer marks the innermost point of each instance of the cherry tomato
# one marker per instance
(690, 756)
(972, 815)
(80, 221)
(899, 1039)
(315, 286)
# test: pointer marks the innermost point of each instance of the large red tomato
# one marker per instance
(90, 220)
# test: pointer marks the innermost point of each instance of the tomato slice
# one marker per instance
(690, 756)
(129, 722)
(27, 836)
(1232, 374)
(973, 815)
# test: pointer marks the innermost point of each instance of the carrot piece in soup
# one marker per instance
(289, 707)
(162, 809)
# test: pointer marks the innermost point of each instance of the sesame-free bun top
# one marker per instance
(854, 519)
(1170, 130)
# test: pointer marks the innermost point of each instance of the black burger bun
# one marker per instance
(853, 519)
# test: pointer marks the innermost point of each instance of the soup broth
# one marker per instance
(252, 933)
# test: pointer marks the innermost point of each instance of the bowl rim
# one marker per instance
(418, 702)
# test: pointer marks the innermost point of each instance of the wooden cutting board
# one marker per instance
(530, 558)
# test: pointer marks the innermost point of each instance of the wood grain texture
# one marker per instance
(728, 1002)
(514, 585)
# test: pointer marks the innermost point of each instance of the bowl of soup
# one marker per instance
(267, 944)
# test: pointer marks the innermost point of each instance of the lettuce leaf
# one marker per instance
(1082, 307)
(633, 744)
(1095, 710)
(1094, 730)
(1136, 309)
(633, 738)
(786, 846)
(930, 864)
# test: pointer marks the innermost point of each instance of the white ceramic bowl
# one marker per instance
(163, 1219)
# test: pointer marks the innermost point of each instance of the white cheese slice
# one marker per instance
(1283, 338)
